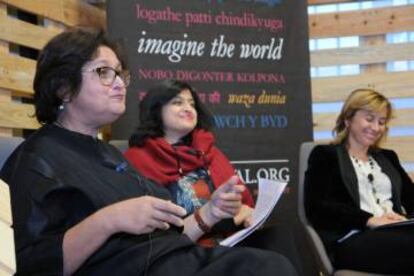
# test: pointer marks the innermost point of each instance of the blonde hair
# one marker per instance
(361, 99)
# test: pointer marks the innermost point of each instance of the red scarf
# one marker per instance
(166, 164)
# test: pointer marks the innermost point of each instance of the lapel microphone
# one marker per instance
(118, 167)
(121, 166)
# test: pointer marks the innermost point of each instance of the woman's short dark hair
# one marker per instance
(150, 118)
(59, 68)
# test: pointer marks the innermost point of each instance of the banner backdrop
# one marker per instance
(249, 62)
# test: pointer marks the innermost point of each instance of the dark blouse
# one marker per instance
(58, 177)
(331, 187)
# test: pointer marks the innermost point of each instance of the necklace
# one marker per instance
(369, 175)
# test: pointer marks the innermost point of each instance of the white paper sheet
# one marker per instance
(269, 193)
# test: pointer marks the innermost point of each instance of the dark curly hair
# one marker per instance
(150, 119)
(59, 68)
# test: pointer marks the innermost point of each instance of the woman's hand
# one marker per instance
(142, 215)
(225, 202)
(395, 217)
(244, 216)
(138, 215)
(384, 219)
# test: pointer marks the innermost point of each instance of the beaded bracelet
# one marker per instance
(201, 224)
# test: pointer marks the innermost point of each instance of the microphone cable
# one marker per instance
(123, 167)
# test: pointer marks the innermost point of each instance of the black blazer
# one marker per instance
(331, 191)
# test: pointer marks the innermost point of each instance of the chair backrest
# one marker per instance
(7, 252)
(7, 146)
(324, 263)
(122, 145)
(7, 255)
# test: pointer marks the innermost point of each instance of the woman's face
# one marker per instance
(179, 116)
(98, 104)
(366, 128)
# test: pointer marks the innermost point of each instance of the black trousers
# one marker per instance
(388, 250)
(276, 238)
(177, 255)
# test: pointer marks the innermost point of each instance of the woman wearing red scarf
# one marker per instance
(173, 147)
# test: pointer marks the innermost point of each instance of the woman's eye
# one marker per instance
(369, 118)
(106, 72)
(176, 102)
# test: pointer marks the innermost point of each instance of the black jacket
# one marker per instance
(331, 191)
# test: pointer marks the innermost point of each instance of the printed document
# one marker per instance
(269, 193)
(396, 224)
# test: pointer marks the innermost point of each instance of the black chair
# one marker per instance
(325, 267)
(7, 146)
(7, 258)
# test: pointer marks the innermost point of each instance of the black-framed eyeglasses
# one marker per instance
(108, 74)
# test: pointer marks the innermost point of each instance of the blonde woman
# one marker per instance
(353, 186)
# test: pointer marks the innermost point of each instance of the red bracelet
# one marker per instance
(201, 224)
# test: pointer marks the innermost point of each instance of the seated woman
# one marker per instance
(78, 208)
(353, 186)
(173, 147)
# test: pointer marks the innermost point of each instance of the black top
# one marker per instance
(58, 177)
(331, 190)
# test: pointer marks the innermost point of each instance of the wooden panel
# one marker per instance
(363, 55)
(14, 115)
(326, 121)
(5, 209)
(16, 73)
(362, 22)
(403, 146)
(69, 12)
(399, 84)
(23, 33)
(5, 98)
(321, 2)
(5, 95)
(7, 255)
(373, 40)
(3, 8)
(79, 13)
(50, 24)
(46, 8)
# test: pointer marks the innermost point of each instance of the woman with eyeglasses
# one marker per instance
(355, 191)
(79, 208)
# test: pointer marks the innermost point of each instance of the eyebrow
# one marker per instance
(372, 113)
(104, 62)
(183, 98)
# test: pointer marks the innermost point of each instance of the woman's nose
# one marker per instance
(188, 107)
(119, 82)
(375, 126)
